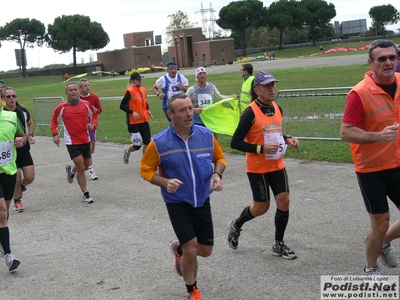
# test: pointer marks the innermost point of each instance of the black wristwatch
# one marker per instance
(219, 174)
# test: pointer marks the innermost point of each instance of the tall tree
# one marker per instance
(26, 33)
(318, 14)
(239, 16)
(76, 32)
(284, 14)
(179, 20)
(383, 15)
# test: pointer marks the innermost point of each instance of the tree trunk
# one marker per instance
(244, 42)
(23, 63)
(74, 57)
(280, 39)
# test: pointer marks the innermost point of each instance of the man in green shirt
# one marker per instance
(12, 136)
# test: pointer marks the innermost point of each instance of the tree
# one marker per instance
(239, 16)
(383, 15)
(179, 20)
(285, 14)
(26, 33)
(318, 14)
(76, 32)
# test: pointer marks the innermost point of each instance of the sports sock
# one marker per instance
(190, 287)
(90, 168)
(23, 188)
(385, 245)
(86, 194)
(244, 217)
(281, 221)
(5, 239)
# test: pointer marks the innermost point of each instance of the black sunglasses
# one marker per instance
(384, 58)
(11, 96)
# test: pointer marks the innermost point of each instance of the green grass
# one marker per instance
(112, 126)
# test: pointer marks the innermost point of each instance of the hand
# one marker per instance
(90, 126)
(161, 96)
(150, 114)
(389, 133)
(234, 96)
(19, 141)
(173, 185)
(197, 110)
(56, 140)
(216, 182)
(135, 115)
(293, 142)
(271, 148)
(31, 139)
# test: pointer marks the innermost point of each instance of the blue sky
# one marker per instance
(124, 16)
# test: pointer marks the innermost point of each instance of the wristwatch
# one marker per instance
(219, 174)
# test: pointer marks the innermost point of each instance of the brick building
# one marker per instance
(189, 50)
(139, 52)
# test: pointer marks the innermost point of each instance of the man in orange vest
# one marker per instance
(259, 134)
(371, 124)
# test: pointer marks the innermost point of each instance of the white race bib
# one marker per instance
(204, 100)
(6, 153)
(274, 134)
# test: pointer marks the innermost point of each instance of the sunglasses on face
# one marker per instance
(384, 58)
(11, 96)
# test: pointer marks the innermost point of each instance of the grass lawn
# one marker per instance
(112, 127)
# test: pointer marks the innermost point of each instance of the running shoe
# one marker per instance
(11, 262)
(18, 206)
(87, 200)
(376, 271)
(388, 257)
(70, 176)
(125, 158)
(283, 251)
(174, 244)
(233, 235)
(195, 295)
(92, 175)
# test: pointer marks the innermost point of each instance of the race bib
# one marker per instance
(6, 153)
(174, 89)
(204, 100)
(274, 134)
(136, 139)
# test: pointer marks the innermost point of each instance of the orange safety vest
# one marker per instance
(256, 163)
(138, 103)
(380, 111)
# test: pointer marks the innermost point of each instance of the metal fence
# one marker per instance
(314, 114)
(44, 108)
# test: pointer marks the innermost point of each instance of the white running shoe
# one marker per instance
(125, 158)
(11, 262)
(92, 175)
(70, 176)
(388, 257)
(87, 200)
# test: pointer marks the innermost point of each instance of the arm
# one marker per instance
(31, 130)
(148, 170)
(353, 134)
(245, 123)
(353, 114)
(124, 103)
(97, 105)
(219, 167)
(154, 89)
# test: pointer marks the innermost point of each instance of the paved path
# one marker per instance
(117, 248)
